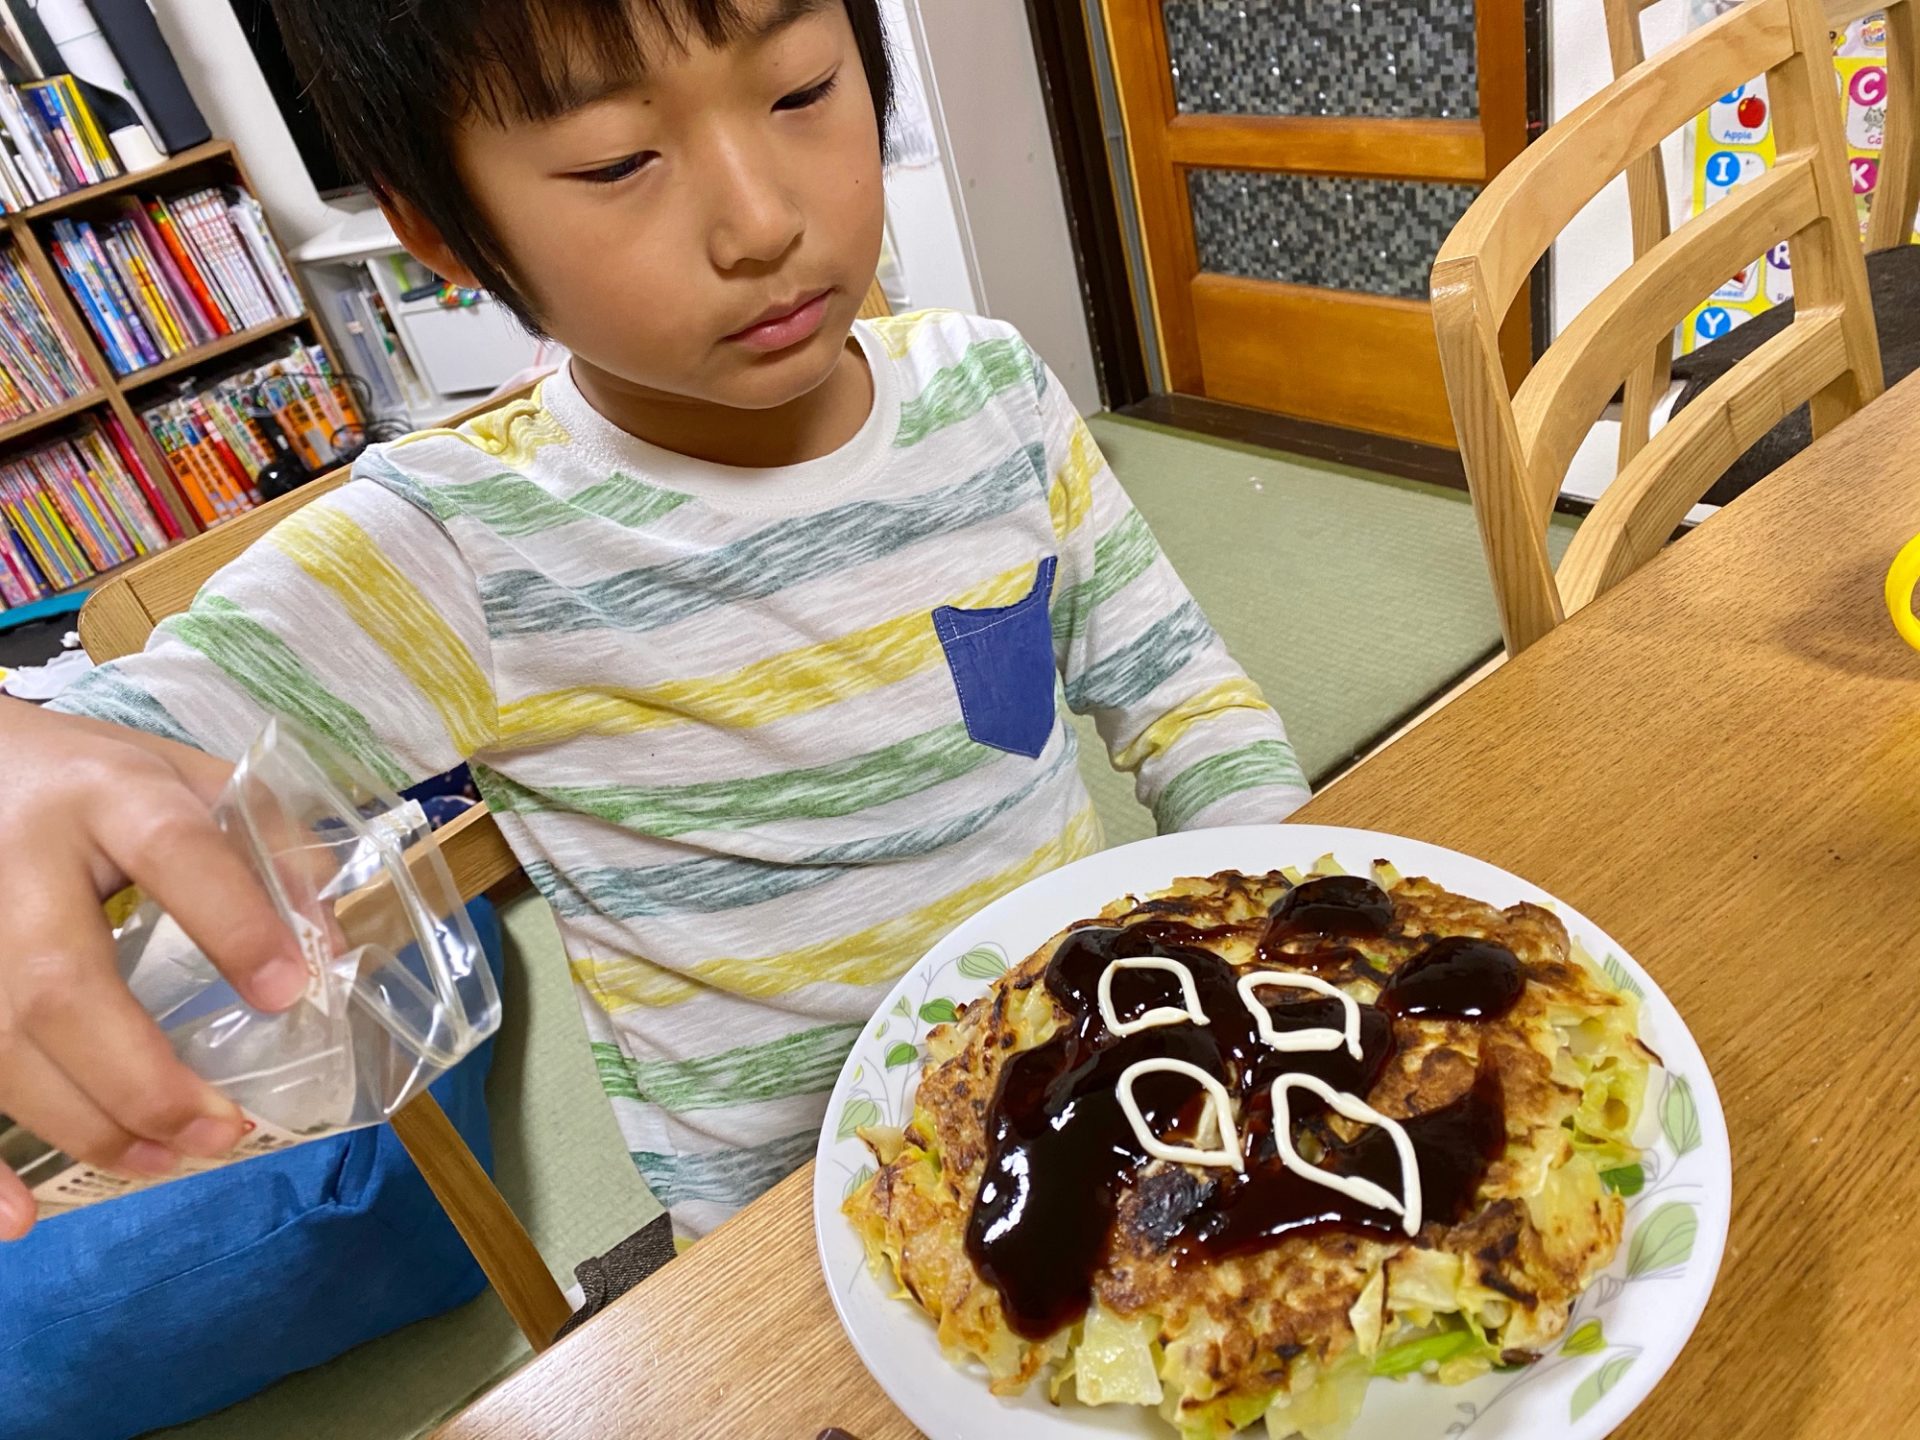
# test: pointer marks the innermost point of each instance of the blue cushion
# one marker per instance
(167, 1305)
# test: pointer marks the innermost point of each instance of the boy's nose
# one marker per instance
(755, 220)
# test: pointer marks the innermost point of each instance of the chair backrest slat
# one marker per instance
(1651, 497)
(1517, 447)
(1570, 388)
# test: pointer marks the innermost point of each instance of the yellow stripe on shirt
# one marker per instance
(512, 433)
(387, 607)
(1238, 693)
(773, 689)
(898, 332)
(868, 957)
(1071, 498)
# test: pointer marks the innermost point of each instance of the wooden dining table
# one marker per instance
(1719, 762)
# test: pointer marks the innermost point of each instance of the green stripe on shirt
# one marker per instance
(804, 1063)
(513, 506)
(784, 554)
(733, 1178)
(716, 883)
(1144, 664)
(821, 792)
(1123, 555)
(107, 695)
(959, 392)
(265, 666)
(1265, 762)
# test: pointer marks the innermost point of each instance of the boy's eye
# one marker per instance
(812, 95)
(619, 170)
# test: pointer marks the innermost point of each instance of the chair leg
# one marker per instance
(484, 1219)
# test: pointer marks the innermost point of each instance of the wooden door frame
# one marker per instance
(1066, 68)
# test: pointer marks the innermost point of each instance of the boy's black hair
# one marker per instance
(391, 78)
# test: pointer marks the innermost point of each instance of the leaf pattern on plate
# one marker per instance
(984, 962)
(859, 1178)
(1679, 1116)
(1589, 1339)
(902, 1054)
(939, 1012)
(1599, 1383)
(1622, 980)
(1663, 1241)
(860, 1112)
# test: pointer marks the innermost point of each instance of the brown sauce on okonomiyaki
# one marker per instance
(1458, 978)
(1062, 1153)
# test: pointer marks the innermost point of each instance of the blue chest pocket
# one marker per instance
(1002, 664)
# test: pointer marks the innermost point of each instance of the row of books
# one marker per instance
(373, 351)
(171, 275)
(74, 507)
(50, 143)
(38, 365)
(220, 436)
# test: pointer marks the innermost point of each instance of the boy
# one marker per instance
(754, 622)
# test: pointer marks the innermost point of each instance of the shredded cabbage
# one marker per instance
(1114, 1363)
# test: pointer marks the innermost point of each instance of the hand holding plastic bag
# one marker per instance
(396, 990)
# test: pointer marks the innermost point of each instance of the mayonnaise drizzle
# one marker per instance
(1295, 1041)
(1228, 1156)
(1354, 1108)
(1164, 1014)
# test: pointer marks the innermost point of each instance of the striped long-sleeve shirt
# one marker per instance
(759, 737)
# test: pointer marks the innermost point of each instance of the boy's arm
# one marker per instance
(355, 616)
(1137, 654)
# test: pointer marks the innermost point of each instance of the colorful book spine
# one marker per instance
(108, 279)
(215, 229)
(134, 290)
(204, 286)
(92, 138)
(94, 486)
(142, 526)
(75, 173)
(134, 466)
(97, 307)
(50, 350)
(167, 272)
(78, 517)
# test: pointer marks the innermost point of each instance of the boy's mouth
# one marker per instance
(785, 325)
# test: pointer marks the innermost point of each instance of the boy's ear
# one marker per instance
(423, 239)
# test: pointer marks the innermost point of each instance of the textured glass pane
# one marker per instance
(1396, 58)
(1379, 236)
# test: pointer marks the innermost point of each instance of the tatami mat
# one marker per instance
(1353, 599)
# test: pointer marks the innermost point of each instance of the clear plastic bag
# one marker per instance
(398, 988)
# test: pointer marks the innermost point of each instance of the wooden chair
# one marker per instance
(1517, 446)
(116, 621)
(1897, 195)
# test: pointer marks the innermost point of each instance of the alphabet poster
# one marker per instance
(1732, 142)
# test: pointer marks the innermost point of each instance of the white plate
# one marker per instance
(1625, 1332)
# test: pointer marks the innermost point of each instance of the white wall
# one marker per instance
(1006, 185)
(1598, 246)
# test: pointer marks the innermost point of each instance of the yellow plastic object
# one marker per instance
(1901, 581)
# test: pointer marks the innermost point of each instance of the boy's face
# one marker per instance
(708, 231)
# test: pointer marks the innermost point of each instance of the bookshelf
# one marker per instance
(28, 231)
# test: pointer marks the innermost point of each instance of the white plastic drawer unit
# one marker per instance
(474, 348)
